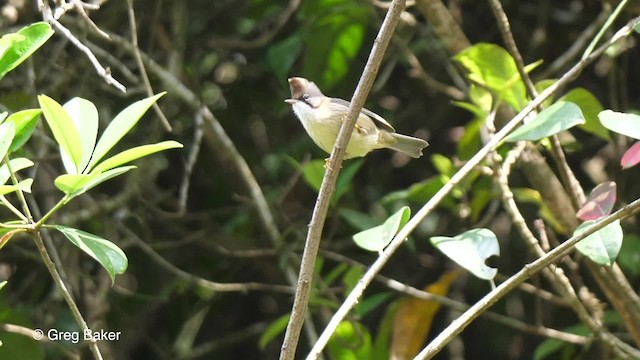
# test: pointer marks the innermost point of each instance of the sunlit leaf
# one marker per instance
(24, 186)
(7, 132)
(599, 203)
(350, 341)
(64, 131)
(105, 252)
(552, 120)
(470, 250)
(85, 118)
(77, 184)
(377, 238)
(603, 245)
(414, 317)
(27, 41)
(17, 164)
(120, 126)
(631, 157)
(493, 67)
(133, 154)
(443, 164)
(590, 107)
(25, 122)
(622, 123)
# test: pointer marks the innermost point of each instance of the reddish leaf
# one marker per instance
(599, 203)
(631, 157)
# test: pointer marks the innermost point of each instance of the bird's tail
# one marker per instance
(409, 145)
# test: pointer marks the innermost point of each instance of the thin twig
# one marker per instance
(192, 158)
(398, 240)
(145, 78)
(104, 73)
(318, 218)
(79, 6)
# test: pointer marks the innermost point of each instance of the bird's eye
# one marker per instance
(306, 97)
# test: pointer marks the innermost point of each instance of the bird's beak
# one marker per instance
(291, 101)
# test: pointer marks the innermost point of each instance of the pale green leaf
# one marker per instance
(470, 250)
(133, 154)
(77, 184)
(85, 118)
(623, 123)
(120, 126)
(64, 131)
(603, 245)
(377, 238)
(24, 186)
(25, 122)
(552, 120)
(7, 132)
(17, 164)
(105, 252)
(590, 107)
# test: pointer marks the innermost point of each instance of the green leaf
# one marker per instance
(345, 179)
(283, 54)
(590, 107)
(629, 256)
(350, 341)
(377, 238)
(85, 118)
(16, 165)
(274, 329)
(29, 40)
(333, 40)
(470, 250)
(105, 252)
(120, 126)
(313, 173)
(443, 164)
(64, 131)
(25, 122)
(7, 132)
(2, 284)
(24, 186)
(493, 67)
(357, 219)
(77, 184)
(603, 245)
(552, 120)
(133, 154)
(623, 123)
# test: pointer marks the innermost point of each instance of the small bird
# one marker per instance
(322, 118)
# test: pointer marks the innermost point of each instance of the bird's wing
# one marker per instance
(380, 122)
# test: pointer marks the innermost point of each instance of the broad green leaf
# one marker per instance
(277, 327)
(470, 142)
(603, 245)
(133, 154)
(34, 36)
(345, 179)
(350, 341)
(64, 131)
(2, 284)
(7, 132)
(550, 346)
(77, 184)
(357, 219)
(552, 120)
(629, 256)
(443, 164)
(25, 122)
(631, 157)
(120, 126)
(24, 186)
(590, 107)
(313, 173)
(377, 238)
(623, 123)
(105, 252)
(599, 203)
(283, 54)
(333, 39)
(17, 164)
(470, 250)
(85, 118)
(493, 67)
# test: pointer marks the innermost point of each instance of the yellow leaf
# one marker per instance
(413, 319)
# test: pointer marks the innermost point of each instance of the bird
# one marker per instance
(322, 117)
